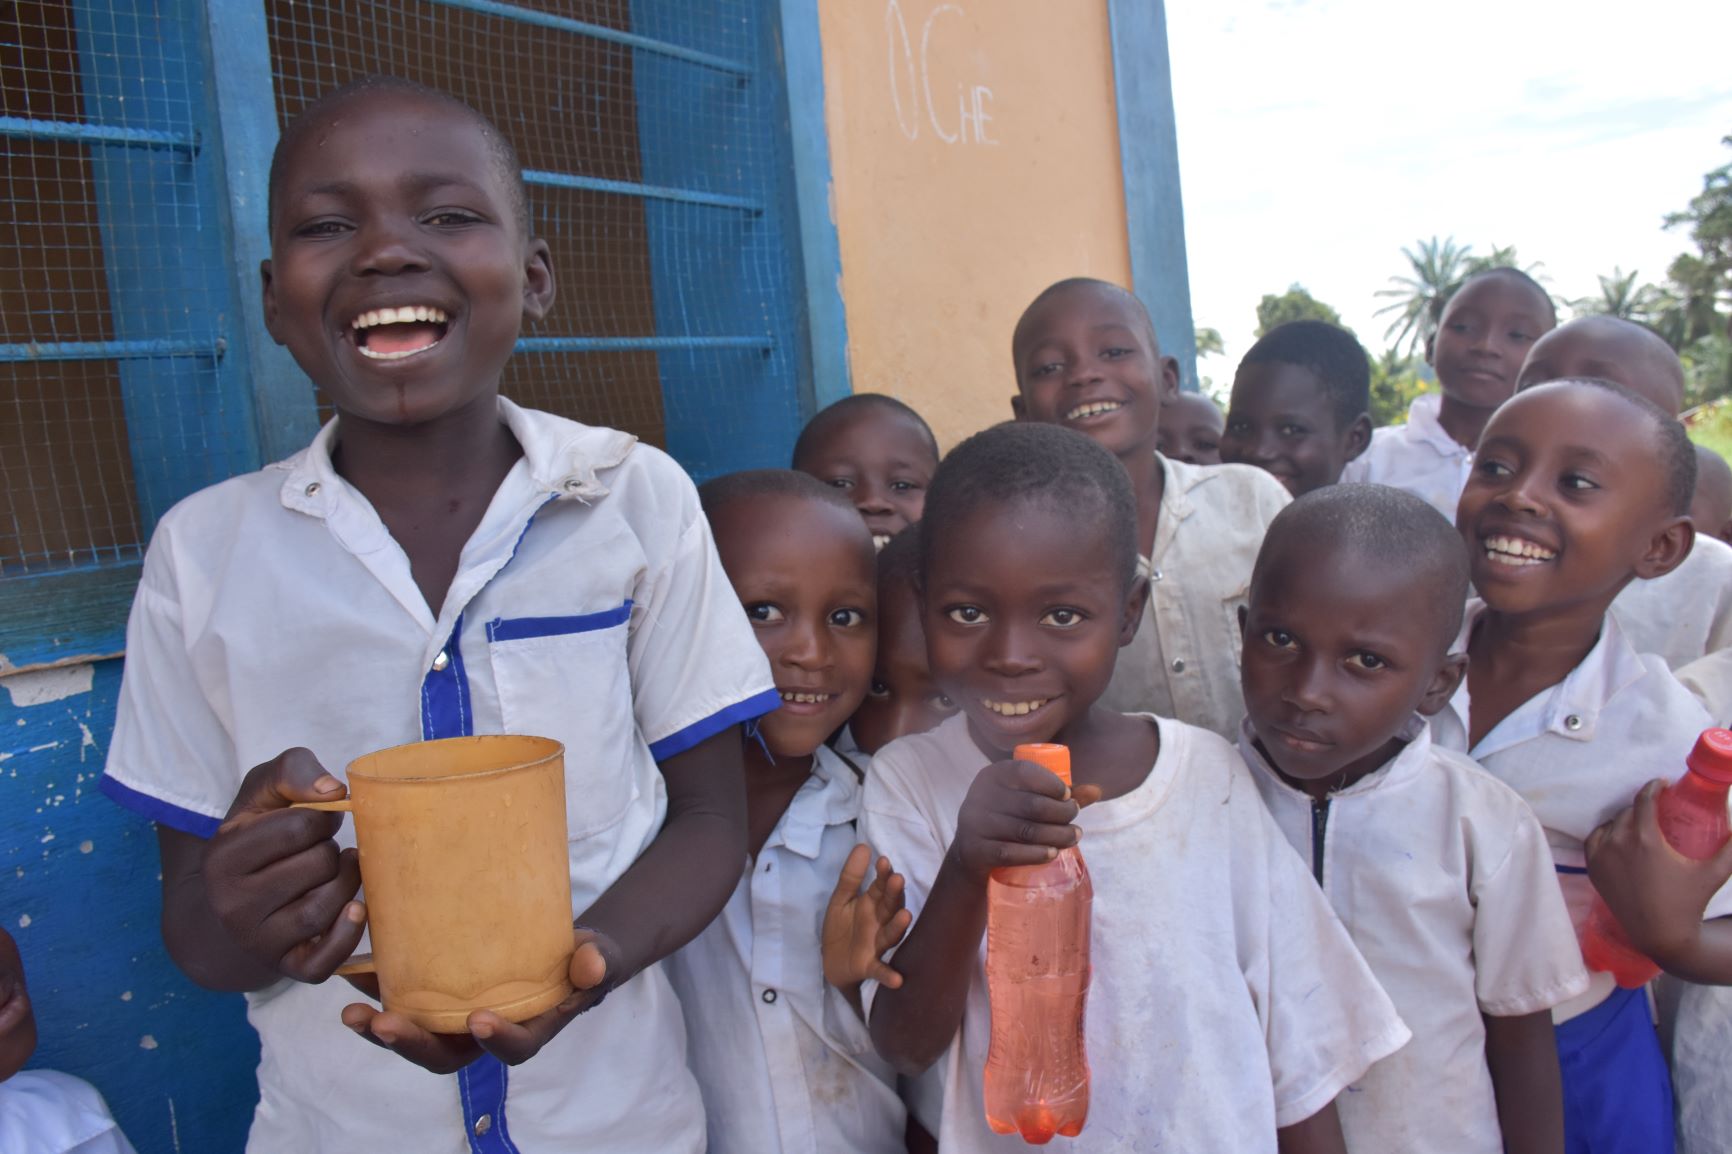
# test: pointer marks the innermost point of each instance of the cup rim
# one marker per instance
(551, 749)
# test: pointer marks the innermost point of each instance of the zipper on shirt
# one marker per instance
(1319, 826)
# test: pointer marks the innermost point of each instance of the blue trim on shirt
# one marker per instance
(157, 810)
(1564, 869)
(522, 628)
(445, 705)
(481, 1086)
(699, 731)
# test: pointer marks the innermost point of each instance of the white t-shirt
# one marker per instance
(1227, 1000)
(1710, 679)
(1418, 457)
(1685, 614)
(1580, 751)
(589, 606)
(784, 1063)
(1184, 661)
(1441, 874)
(46, 1112)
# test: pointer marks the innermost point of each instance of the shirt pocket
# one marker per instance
(1235, 635)
(567, 678)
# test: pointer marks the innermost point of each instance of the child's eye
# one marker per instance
(903, 486)
(1062, 617)
(846, 618)
(1237, 428)
(764, 613)
(1366, 661)
(1578, 482)
(1115, 353)
(1279, 638)
(941, 702)
(878, 691)
(966, 615)
(1047, 369)
(840, 482)
(1519, 336)
(1492, 468)
(321, 228)
(1208, 446)
(1291, 430)
(447, 217)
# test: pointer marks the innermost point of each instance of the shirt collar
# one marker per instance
(1569, 709)
(831, 796)
(1177, 481)
(1415, 731)
(1427, 427)
(562, 457)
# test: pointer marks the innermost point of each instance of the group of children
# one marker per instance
(1332, 743)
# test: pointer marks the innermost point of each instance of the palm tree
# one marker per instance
(1209, 342)
(1621, 296)
(1438, 267)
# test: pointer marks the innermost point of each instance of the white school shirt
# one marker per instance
(1419, 457)
(589, 606)
(1184, 661)
(1687, 613)
(1441, 874)
(1710, 679)
(1226, 1001)
(47, 1112)
(784, 1063)
(1580, 751)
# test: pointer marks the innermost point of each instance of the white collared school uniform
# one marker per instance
(47, 1112)
(589, 606)
(1226, 999)
(1686, 614)
(1580, 751)
(1710, 679)
(1184, 661)
(784, 1063)
(1440, 873)
(1419, 457)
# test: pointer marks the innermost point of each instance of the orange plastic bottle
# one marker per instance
(1037, 975)
(1692, 813)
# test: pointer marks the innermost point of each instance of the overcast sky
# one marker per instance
(1318, 137)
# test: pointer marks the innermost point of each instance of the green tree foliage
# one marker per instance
(1416, 300)
(1293, 305)
(1209, 342)
(1621, 296)
(1396, 379)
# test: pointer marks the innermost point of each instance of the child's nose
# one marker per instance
(872, 499)
(1009, 652)
(387, 248)
(1309, 689)
(807, 646)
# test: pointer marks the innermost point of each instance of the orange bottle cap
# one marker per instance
(1712, 757)
(1057, 758)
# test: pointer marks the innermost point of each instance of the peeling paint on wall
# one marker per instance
(42, 686)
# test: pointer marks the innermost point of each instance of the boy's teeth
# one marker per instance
(1013, 708)
(1091, 409)
(806, 698)
(1515, 551)
(879, 540)
(408, 314)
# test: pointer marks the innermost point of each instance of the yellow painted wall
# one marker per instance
(975, 159)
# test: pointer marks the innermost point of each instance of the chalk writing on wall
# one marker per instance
(911, 76)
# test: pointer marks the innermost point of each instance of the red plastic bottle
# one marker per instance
(1692, 813)
(1037, 975)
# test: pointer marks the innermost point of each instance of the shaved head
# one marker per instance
(1609, 349)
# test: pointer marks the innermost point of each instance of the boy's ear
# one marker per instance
(1431, 348)
(537, 279)
(1169, 379)
(1667, 549)
(1018, 410)
(1443, 684)
(268, 294)
(1357, 438)
(1135, 599)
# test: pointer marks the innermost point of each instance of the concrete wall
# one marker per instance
(974, 150)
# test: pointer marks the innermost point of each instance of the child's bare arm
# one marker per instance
(1522, 1054)
(860, 926)
(1016, 813)
(674, 889)
(242, 910)
(1659, 895)
(1318, 1134)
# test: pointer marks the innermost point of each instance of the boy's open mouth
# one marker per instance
(1092, 409)
(1516, 551)
(1013, 708)
(391, 334)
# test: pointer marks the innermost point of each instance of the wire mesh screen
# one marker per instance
(111, 282)
(647, 137)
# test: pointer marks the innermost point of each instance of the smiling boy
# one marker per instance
(1210, 945)
(1438, 870)
(878, 451)
(1190, 430)
(1300, 405)
(1482, 338)
(1579, 487)
(1087, 359)
(439, 562)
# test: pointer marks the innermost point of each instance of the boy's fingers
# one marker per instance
(1010, 828)
(1085, 795)
(1015, 853)
(1038, 779)
(852, 875)
(885, 976)
(249, 842)
(439, 1053)
(293, 775)
(588, 966)
(1035, 808)
(891, 931)
(316, 961)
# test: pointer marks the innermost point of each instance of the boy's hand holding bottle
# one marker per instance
(1016, 813)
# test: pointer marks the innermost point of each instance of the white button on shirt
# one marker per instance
(1686, 614)
(1580, 751)
(1418, 457)
(1226, 1000)
(784, 1063)
(1184, 661)
(589, 606)
(1441, 874)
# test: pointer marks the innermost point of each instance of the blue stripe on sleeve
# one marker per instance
(157, 810)
(699, 731)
